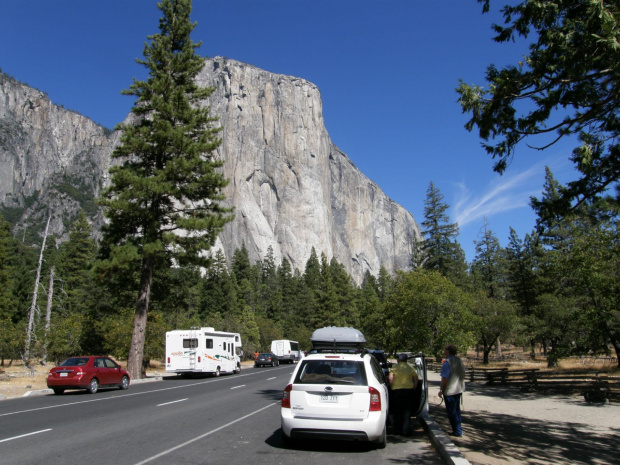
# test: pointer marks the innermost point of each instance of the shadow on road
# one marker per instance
(337, 447)
(533, 441)
(271, 394)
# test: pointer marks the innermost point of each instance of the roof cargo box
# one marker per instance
(334, 337)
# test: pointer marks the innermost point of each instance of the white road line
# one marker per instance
(173, 402)
(166, 452)
(237, 387)
(130, 395)
(269, 379)
(24, 435)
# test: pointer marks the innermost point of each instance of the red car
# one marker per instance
(89, 372)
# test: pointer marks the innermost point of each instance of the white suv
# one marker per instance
(334, 395)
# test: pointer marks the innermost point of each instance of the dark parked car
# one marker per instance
(266, 359)
(88, 372)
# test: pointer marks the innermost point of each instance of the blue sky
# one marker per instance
(386, 69)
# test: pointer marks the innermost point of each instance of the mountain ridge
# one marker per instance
(291, 187)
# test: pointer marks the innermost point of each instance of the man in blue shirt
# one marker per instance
(452, 388)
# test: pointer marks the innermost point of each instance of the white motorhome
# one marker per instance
(202, 350)
(287, 351)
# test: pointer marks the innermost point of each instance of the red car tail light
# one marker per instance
(375, 400)
(286, 396)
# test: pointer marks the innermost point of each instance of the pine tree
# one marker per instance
(76, 258)
(240, 265)
(164, 198)
(7, 301)
(489, 265)
(441, 251)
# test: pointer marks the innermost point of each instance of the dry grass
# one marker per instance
(517, 358)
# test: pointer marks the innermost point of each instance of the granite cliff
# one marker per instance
(291, 187)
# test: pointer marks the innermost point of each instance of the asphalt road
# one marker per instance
(230, 420)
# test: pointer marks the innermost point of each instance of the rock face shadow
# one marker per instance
(515, 438)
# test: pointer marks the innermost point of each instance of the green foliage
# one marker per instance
(12, 214)
(566, 85)
(493, 318)
(76, 258)
(65, 336)
(426, 312)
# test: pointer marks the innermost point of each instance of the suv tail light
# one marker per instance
(375, 400)
(286, 396)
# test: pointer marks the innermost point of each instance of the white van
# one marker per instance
(286, 351)
(202, 350)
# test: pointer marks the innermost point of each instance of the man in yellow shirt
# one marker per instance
(403, 380)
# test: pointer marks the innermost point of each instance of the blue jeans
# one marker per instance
(453, 409)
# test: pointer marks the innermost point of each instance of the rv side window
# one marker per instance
(294, 346)
(190, 343)
(209, 343)
(236, 338)
(232, 349)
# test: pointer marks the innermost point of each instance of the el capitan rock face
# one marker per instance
(291, 187)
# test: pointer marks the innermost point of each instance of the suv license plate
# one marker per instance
(329, 399)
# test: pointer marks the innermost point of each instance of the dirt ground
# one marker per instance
(502, 425)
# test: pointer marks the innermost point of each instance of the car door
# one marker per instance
(113, 371)
(420, 401)
(102, 373)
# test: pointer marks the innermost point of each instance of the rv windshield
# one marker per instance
(332, 372)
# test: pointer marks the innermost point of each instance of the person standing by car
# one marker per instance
(452, 388)
(403, 380)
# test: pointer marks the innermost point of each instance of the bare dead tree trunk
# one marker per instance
(33, 305)
(136, 350)
(48, 315)
(498, 348)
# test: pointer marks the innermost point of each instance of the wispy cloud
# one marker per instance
(504, 193)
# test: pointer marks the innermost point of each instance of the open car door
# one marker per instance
(420, 396)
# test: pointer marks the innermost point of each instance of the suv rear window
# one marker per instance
(332, 372)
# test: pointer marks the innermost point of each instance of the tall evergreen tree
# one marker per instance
(7, 300)
(489, 265)
(240, 264)
(76, 258)
(163, 199)
(441, 251)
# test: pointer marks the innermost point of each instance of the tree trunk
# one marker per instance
(136, 350)
(33, 305)
(485, 355)
(616, 347)
(532, 350)
(48, 315)
(498, 348)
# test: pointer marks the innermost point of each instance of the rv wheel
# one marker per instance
(217, 372)
(238, 369)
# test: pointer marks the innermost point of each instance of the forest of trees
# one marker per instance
(555, 288)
